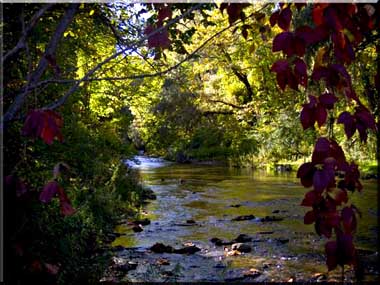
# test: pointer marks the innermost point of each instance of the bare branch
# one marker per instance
(228, 104)
(43, 63)
(22, 41)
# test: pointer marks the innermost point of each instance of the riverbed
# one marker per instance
(196, 203)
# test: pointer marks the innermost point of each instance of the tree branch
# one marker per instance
(22, 41)
(63, 99)
(228, 104)
(43, 63)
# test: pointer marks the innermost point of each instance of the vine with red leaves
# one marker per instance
(46, 125)
(339, 29)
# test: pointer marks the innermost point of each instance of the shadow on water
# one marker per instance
(211, 196)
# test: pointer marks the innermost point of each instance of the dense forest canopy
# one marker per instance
(87, 85)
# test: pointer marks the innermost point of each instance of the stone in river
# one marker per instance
(137, 228)
(187, 250)
(271, 219)
(244, 218)
(161, 248)
(242, 247)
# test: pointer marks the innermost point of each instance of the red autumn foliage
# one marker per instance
(361, 120)
(234, 11)
(282, 18)
(52, 189)
(160, 39)
(45, 124)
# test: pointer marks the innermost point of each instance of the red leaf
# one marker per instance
(284, 18)
(300, 71)
(331, 250)
(274, 18)
(159, 39)
(348, 220)
(320, 180)
(299, 46)
(309, 217)
(45, 124)
(311, 198)
(281, 41)
(328, 100)
(307, 117)
(332, 19)
(306, 173)
(318, 13)
(163, 13)
(349, 123)
(321, 115)
(341, 197)
(364, 116)
(281, 65)
(49, 191)
(321, 150)
(346, 249)
(65, 204)
(337, 152)
(235, 11)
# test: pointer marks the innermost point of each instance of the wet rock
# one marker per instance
(282, 240)
(244, 218)
(242, 247)
(270, 219)
(253, 273)
(162, 261)
(161, 248)
(219, 242)
(137, 228)
(187, 250)
(242, 238)
(235, 205)
(143, 222)
(122, 265)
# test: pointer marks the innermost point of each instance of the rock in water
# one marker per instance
(271, 219)
(137, 228)
(242, 247)
(187, 250)
(161, 248)
(244, 218)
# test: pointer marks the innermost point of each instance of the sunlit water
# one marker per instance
(205, 194)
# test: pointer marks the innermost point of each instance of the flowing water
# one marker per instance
(212, 196)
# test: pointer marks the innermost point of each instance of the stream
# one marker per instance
(196, 203)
